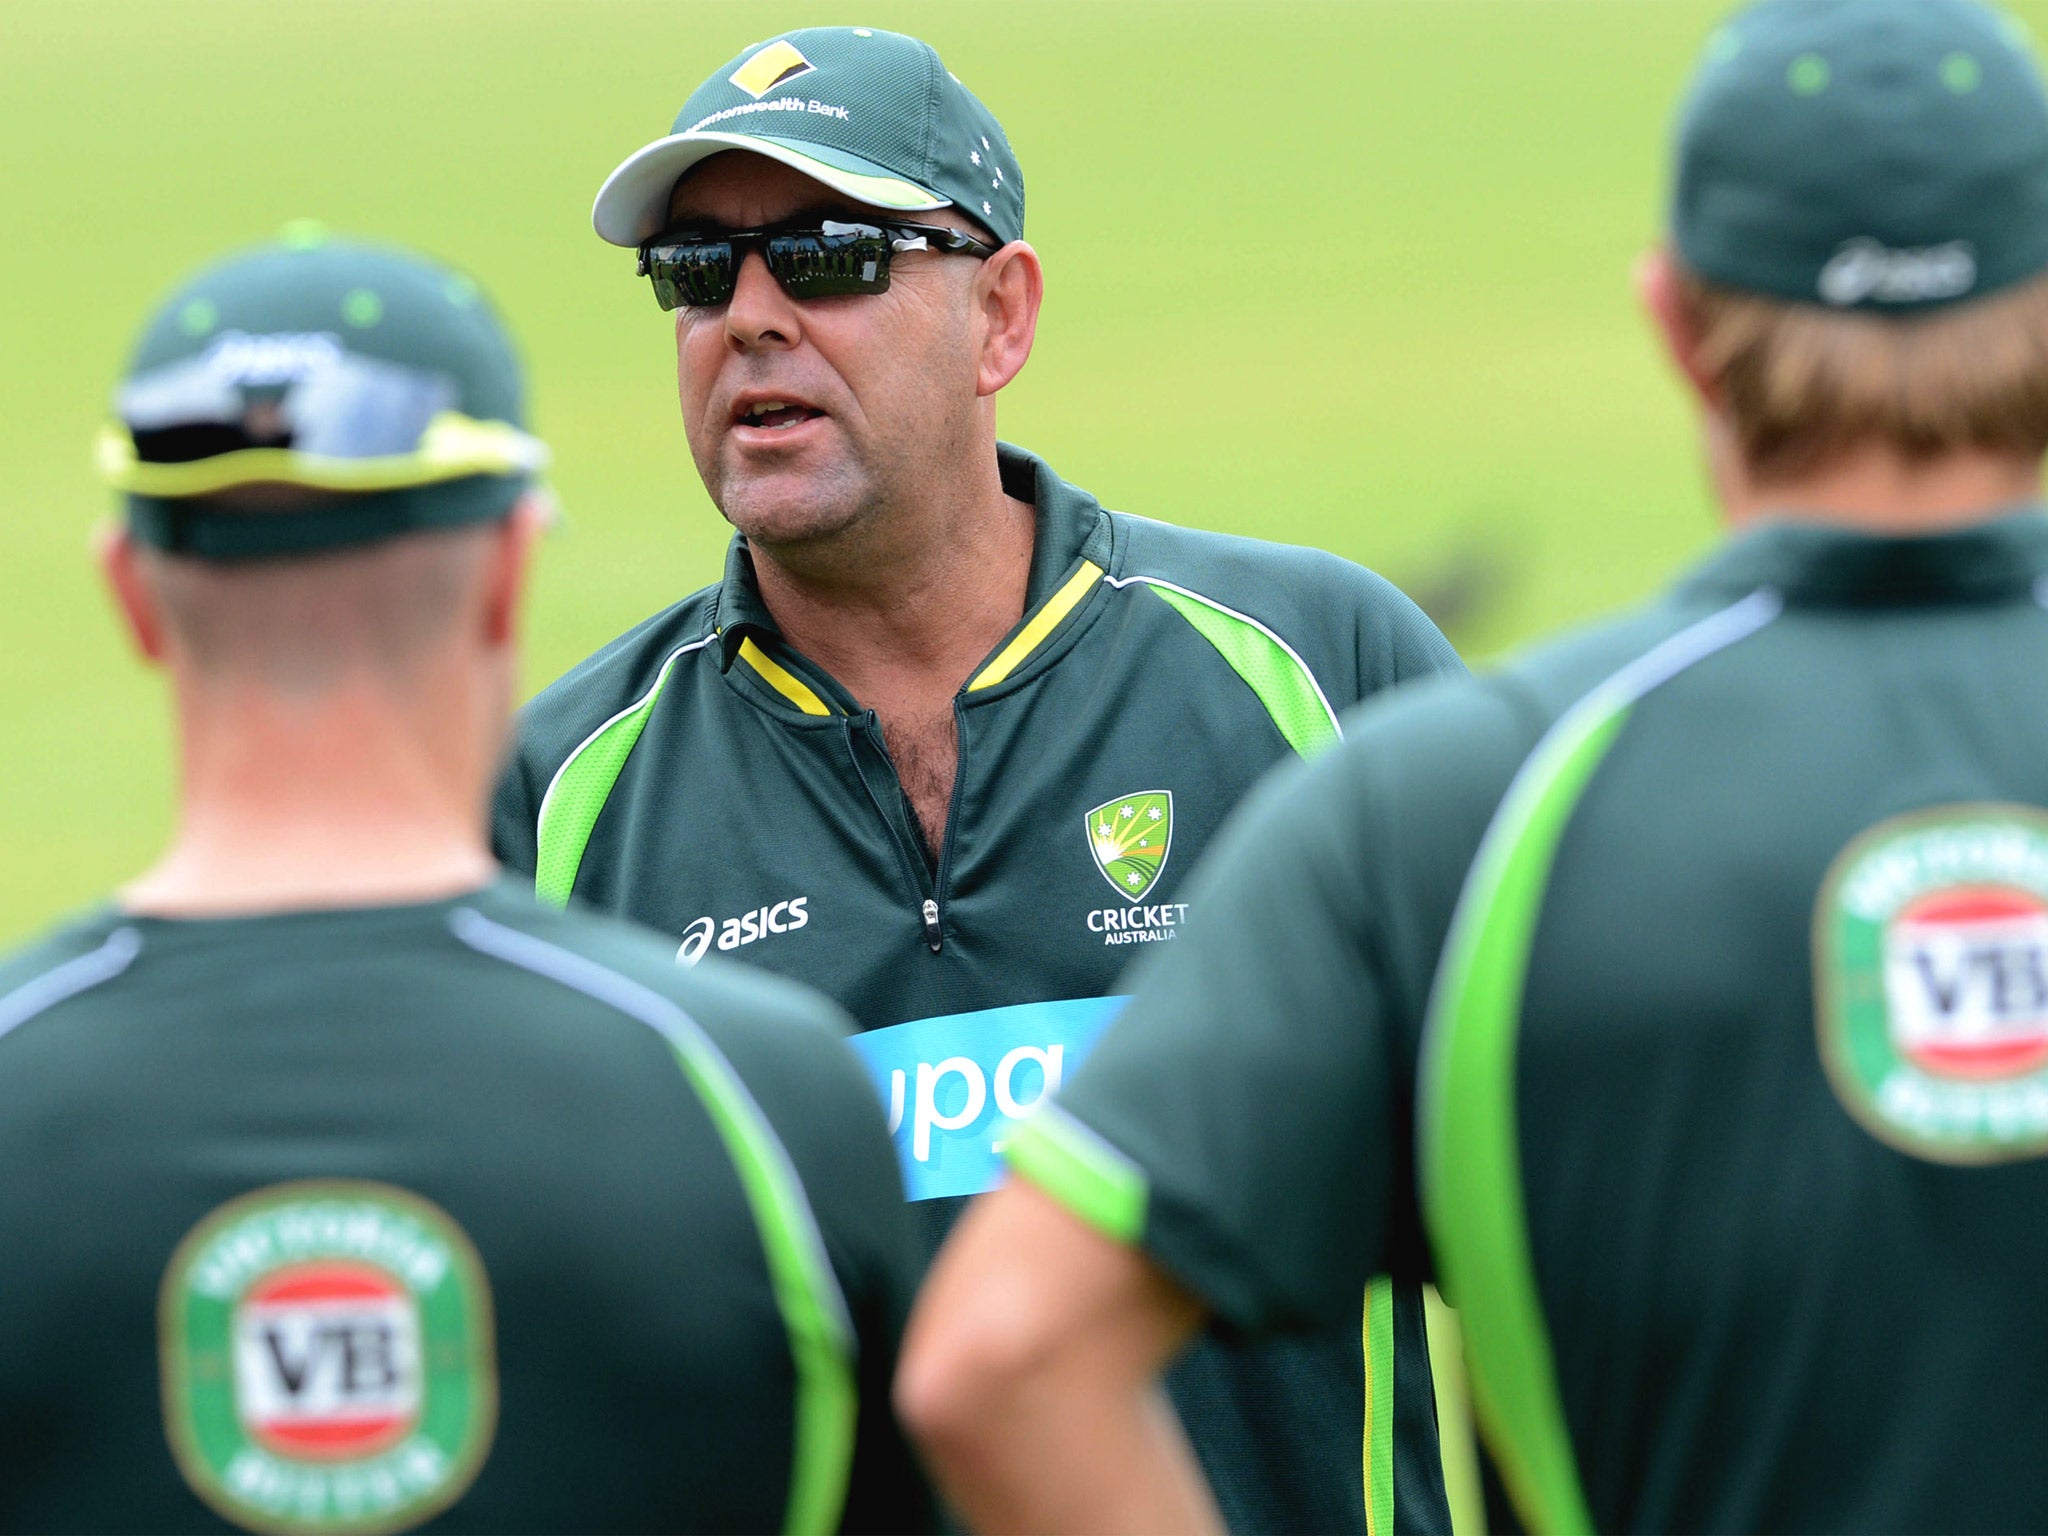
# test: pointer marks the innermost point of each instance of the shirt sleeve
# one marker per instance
(1398, 642)
(848, 1163)
(815, 1093)
(1247, 1119)
(515, 815)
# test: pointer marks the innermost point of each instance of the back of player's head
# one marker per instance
(310, 439)
(1860, 212)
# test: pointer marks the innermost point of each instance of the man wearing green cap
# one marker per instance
(1677, 994)
(349, 1187)
(948, 733)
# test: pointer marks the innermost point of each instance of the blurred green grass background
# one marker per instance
(1346, 274)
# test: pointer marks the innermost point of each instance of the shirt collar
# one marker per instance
(740, 611)
(1816, 564)
(1070, 523)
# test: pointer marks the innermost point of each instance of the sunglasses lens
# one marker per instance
(851, 259)
(692, 272)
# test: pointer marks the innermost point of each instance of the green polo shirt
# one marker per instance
(471, 1211)
(1678, 994)
(701, 777)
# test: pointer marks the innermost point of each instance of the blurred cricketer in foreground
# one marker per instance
(348, 1186)
(1685, 981)
(947, 735)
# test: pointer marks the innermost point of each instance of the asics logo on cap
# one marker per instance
(1864, 269)
(236, 357)
(777, 64)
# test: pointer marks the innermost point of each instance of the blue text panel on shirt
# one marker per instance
(953, 1083)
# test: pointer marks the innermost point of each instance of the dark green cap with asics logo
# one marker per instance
(1879, 155)
(874, 115)
(377, 386)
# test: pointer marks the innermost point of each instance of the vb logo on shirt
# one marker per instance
(328, 1360)
(1932, 945)
(954, 1084)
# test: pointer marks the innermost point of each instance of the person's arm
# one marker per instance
(1030, 1377)
(817, 1096)
(515, 814)
(1232, 1146)
(1398, 643)
(1237, 1145)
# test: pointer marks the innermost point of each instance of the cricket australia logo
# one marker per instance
(328, 1359)
(1931, 961)
(1129, 838)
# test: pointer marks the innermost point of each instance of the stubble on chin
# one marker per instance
(788, 512)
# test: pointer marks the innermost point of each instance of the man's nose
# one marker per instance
(759, 314)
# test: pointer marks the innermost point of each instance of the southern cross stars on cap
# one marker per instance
(1888, 155)
(872, 114)
(376, 384)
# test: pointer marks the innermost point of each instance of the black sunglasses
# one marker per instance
(811, 261)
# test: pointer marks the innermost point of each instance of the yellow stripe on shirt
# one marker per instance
(1043, 623)
(782, 680)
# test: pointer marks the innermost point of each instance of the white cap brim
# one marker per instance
(632, 205)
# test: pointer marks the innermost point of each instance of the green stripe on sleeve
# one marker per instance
(1471, 1151)
(1378, 1343)
(1082, 1171)
(807, 1294)
(1269, 666)
(827, 1399)
(577, 794)
(1470, 1136)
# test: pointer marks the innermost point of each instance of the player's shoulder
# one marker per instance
(615, 677)
(784, 1042)
(1468, 734)
(62, 962)
(712, 994)
(1334, 612)
(763, 1024)
(1227, 566)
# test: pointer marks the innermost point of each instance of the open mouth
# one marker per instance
(776, 415)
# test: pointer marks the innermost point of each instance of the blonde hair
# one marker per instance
(1803, 386)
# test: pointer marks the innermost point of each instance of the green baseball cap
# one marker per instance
(873, 115)
(1884, 155)
(376, 380)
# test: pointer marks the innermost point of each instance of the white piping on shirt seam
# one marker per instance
(69, 979)
(1209, 602)
(1694, 643)
(638, 704)
(665, 1018)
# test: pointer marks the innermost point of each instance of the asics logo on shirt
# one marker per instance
(732, 932)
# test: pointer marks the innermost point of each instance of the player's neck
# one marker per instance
(351, 799)
(929, 605)
(1881, 492)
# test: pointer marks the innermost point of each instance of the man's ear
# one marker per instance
(121, 567)
(511, 556)
(1009, 288)
(1662, 296)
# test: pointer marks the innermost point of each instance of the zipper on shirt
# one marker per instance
(895, 812)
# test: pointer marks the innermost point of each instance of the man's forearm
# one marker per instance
(1074, 1450)
(1030, 1378)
